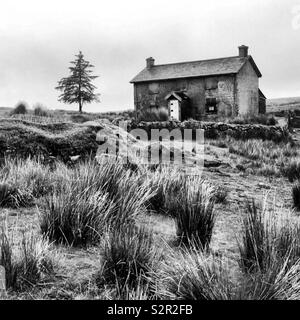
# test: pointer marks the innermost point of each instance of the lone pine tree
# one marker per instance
(78, 87)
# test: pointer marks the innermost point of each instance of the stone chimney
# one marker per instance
(243, 51)
(149, 63)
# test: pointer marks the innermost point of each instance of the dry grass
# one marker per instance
(193, 209)
(27, 260)
(102, 203)
(190, 274)
(269, 238)
(127, 257)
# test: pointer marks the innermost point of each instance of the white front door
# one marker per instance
(174, 109)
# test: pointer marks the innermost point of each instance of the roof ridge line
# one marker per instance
(167, 64)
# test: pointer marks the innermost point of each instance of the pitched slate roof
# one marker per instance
(202, 68)
(261, 94)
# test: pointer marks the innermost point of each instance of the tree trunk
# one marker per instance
(80, 106)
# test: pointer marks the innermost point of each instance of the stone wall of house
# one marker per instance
(219, 129)
(152, 94)
(247, 90)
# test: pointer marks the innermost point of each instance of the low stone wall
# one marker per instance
(215, 130)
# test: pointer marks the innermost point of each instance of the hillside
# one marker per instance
(4, 111)
(49, 140)
(281, 104)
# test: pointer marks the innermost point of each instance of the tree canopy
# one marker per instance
(78, 87)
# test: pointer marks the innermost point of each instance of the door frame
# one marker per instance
(179, 108)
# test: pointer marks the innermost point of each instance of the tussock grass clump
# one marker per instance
(13, 197)
(6, 259)
(20, 108)
(94, 197)
(127, 256)
(26, 262)
(163, 182)
(28, 174)
(193, 209)
(291, 169)
(220, 194)
(76, 216)
(269, 239)
(279, 282)
(24, 180)
(131, 200)
(270, 252)
(189, 274)
(103, 174)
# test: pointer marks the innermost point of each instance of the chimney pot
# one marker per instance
(243, 51)
(149, 62)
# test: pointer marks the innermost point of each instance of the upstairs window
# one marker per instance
(211, 105)
(211, 83)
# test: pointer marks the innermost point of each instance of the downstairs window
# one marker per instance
(211, 105)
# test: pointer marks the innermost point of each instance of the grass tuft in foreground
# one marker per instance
(193, 209)
(127, 257)
(189, 274)
(27, 262)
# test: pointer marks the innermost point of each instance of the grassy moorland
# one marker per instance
(283, 104)
(86, 229)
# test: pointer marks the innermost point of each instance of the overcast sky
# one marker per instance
(39, 38)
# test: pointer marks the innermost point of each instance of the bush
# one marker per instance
(40, 111)
(20, 108)
(159, 114)
(127, 257)
(254, 119)
(192, 275)
(220, 194)
(193, 209)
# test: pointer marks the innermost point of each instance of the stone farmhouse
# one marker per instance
(201, 90)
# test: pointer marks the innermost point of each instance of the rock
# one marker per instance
(74, 158)
(262, 185)
(212, 163)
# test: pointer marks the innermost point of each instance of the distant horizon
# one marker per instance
(121, 110)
